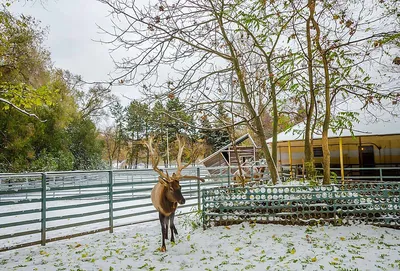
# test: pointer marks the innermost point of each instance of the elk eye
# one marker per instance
(171, 189)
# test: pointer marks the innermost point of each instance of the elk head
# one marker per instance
(176, 176)
(170, 184)
(172, 189)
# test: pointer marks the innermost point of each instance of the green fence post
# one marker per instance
(198, 191)
(380, 174)
(110, 197)
(43, 220)
(203, 214)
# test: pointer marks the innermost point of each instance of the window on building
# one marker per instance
(226, 155)
(318, 152)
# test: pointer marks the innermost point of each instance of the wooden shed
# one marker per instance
(226, 156)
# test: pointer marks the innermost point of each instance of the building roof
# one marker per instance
(370, 123)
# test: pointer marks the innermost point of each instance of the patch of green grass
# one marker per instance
(310, 230)
(382, 256)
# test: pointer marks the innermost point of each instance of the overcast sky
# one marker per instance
(71, 39)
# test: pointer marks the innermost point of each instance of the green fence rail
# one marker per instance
(38, 208)
(370, 203)
(377, 173)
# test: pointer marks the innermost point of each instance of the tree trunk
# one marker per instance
(259, 127)
(243, 90)
(308, 145)
(147, 158)
(326, 153)
(326, 160)
(275, 118)
(118, 150)
(131, 155)
(241, 174)
(147, 149)
(136, 157)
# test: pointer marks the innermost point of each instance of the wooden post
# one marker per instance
(341, 158)
(290, 158)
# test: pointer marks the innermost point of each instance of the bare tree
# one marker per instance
(234, 53)
(111, 145)
(204, 48)
(342, 39)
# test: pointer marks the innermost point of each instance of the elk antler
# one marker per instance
(155, 158)
(180, 166)
(189, 177)
(179, 157)
(153, 152)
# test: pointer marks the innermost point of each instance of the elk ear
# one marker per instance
(174, 177)
(163, 181)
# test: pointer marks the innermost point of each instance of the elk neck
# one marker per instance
(161, 200)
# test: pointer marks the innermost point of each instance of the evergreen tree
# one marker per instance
(137, 129)
(221, 136)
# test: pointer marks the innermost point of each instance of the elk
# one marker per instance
(166, 194)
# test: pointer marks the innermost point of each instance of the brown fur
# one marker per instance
(165, 196)
(161, 200)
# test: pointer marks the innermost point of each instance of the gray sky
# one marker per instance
(72, 31)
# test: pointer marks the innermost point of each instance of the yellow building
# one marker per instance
(373, 150)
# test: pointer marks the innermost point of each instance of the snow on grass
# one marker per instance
(68, 221)
(238, 247)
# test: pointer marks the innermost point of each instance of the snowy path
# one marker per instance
(238, 247)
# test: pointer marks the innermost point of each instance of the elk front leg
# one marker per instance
(164, 230)
(166, 227)
(172, 226)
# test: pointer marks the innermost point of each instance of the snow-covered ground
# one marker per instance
(79, 229)
(132, 204)
(238, 247)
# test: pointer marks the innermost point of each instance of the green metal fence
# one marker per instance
(37, 208)
(370, 203)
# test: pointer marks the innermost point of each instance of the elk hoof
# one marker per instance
(163, 249)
